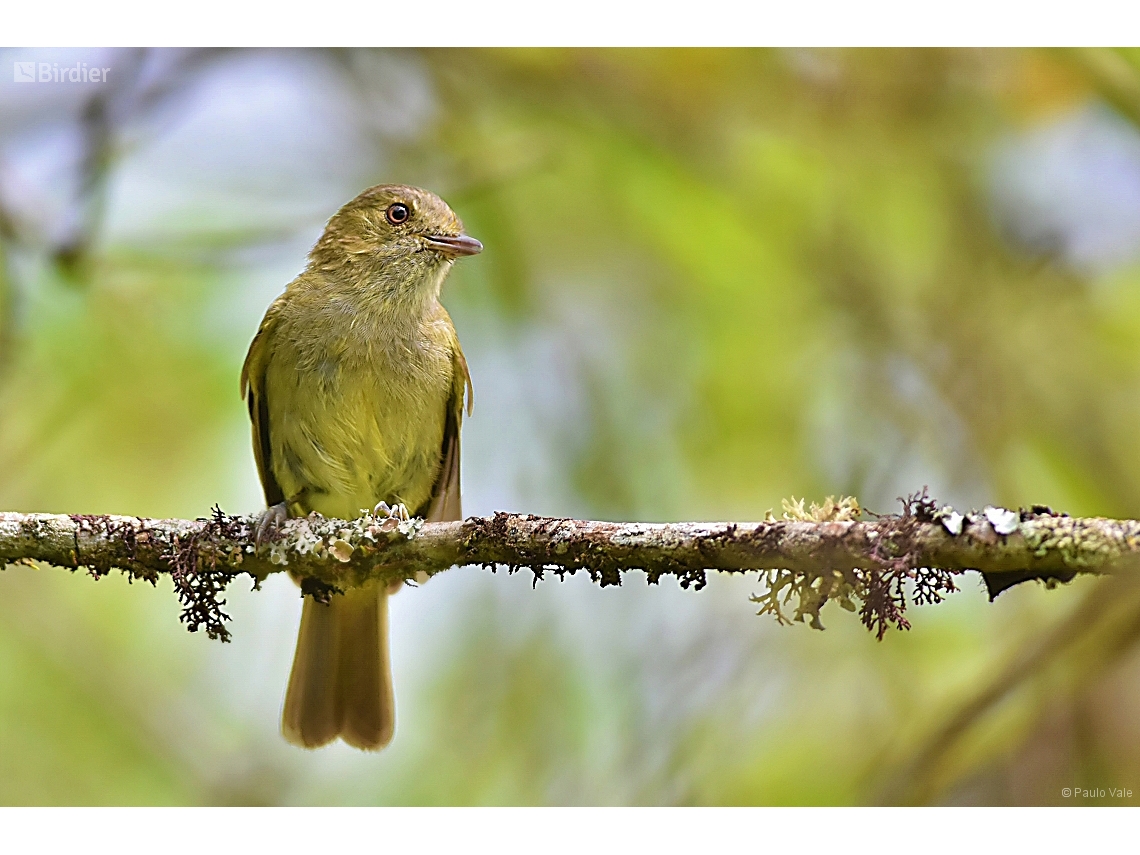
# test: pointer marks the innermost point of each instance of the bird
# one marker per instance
(355, 383)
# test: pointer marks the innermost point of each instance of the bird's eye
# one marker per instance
(398, 213)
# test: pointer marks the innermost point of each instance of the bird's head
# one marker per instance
(396, 239)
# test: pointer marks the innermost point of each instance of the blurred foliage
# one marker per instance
(713, 279)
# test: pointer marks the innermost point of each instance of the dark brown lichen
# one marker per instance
(199, 581)
(318, 590)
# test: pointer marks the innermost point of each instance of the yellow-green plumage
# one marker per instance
(356, 384)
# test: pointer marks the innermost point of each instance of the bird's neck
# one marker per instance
(386, 309)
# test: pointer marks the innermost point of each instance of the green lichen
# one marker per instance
(1082, 544)
(843, 509)
(811, 592)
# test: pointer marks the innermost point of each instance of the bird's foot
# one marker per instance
(396, 514)
(398, 511)
(269, 523)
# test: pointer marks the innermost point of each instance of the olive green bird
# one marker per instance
(355, 383)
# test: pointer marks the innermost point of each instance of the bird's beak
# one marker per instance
(455, 246)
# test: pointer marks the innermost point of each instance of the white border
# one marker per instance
(73, 23)
(553, 831)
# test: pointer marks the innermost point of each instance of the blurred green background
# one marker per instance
(713, 279)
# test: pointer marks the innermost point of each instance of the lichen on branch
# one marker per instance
(878, 591)
(871, 564)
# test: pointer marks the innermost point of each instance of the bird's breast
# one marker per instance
(366, 423)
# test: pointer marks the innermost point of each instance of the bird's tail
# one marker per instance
(341, 683)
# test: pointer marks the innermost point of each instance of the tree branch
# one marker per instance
(806, 559)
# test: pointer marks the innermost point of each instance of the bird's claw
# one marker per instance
(269, 522)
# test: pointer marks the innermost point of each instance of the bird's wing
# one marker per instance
(445, 504)
(253, 390)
